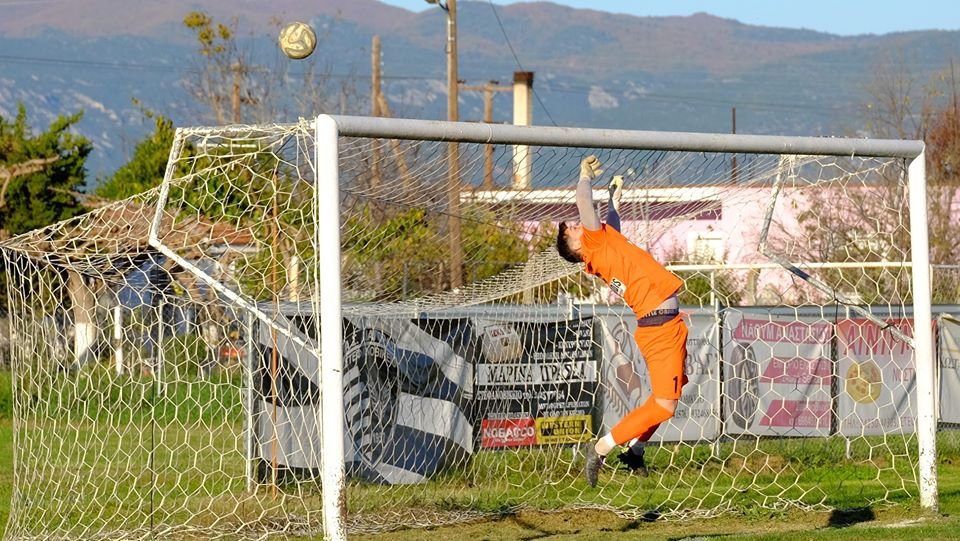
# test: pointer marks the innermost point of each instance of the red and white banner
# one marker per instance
(777, 374)
(508, 432)
(878, 379)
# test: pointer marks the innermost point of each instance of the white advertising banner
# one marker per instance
(626, 382)
(949, 369)
(535, 382)
(777, 374)
(877, 395)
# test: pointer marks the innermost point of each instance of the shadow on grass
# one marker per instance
(652, 515)
(842, 518)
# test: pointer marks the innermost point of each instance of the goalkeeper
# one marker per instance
(651, 291)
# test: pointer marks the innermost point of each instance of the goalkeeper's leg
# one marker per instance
(633, 458)
(664, 348)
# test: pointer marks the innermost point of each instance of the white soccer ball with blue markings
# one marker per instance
(297, 40)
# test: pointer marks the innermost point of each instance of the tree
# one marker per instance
(896, 106)
(221, 80)
(46, 192)
(146, 168)
(401, 254)
(236, 89)
(899, 107)
(42, 174)
(866, 220)
(943, 194)
(494, 246)
(699, 287)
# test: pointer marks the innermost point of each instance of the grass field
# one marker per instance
(517, 502)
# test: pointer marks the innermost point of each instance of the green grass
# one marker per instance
(6, 471)
(6, 448)
(181, 464)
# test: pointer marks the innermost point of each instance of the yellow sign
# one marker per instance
(571, 429)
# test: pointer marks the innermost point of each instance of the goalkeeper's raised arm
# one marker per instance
(570, 235)
(589, 170)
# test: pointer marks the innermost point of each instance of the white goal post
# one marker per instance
(331, 128)
(330, 326)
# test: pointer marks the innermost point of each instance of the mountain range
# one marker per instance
(591, 68)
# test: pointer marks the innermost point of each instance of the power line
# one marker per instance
(566, 88)
(680, 98)
(34, 60)
(31, 2)
(517, 59)
(85, 63)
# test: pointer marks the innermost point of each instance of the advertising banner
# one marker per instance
(949, 336)
(877, 395)
(777, 374)
(406, 399)
(626, 382)
(535, 382)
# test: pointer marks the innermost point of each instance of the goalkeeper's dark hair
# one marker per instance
(563, 248)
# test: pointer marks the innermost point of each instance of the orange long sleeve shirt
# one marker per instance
(629, 270)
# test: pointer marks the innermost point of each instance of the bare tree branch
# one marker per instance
(11, 172)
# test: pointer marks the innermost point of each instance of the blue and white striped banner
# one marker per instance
(406, 397)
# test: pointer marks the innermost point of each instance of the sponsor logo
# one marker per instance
(372, 384)
(569, 429)
(508, 432)
(537, 374)
(742, 385)
(618, 287)
(797, 414)
(794, 332)
(797, 371)
(864, 382)
(500, 343)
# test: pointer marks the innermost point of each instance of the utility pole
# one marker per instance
(238, 95)
(453, 149)
(453, 107)
(733, 161)
(235, 94)
(522, 89)
(488, 89)
(374, 75)
(375, 62)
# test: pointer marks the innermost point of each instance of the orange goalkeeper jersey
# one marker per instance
(629, 270)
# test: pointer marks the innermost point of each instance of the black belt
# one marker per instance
(658, 317)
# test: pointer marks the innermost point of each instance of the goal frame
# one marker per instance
(328, 130)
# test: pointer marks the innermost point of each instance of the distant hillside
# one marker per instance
(591, 68)
(149, 18)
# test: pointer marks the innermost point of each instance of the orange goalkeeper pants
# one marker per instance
(664, 349)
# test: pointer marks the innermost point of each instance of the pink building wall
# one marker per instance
(734, 219)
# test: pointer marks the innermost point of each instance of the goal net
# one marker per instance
(355, 324)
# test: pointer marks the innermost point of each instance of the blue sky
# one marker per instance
(842, 17)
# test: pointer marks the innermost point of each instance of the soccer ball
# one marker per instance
(297, 40)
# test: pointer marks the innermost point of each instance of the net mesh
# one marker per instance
(176, 392)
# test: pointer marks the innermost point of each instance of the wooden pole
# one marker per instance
(375, 110)
(488, 90)
(453, 153)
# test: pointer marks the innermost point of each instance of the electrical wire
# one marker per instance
(519, 64)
